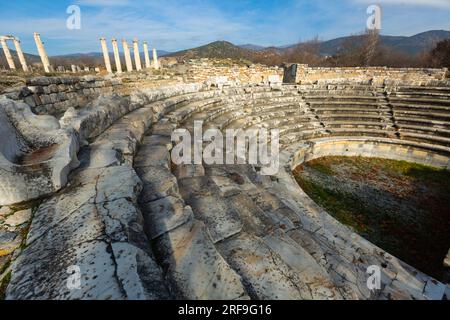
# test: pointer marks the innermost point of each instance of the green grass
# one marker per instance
(323, 168)
(410, 219)
(5, 266)
(343, 207)
(33, 205)
(3, 285)
(431, 175)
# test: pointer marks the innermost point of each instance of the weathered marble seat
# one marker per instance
(35, 154)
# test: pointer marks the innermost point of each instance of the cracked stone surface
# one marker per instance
(164, 215)
(5, 211)
(265, 274)
(137, 226)
(9, 240)
(18, 218)
(220, 218)
(95, 225)
(158, 183)
(195, 268)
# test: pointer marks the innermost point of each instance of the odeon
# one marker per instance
(140, 227)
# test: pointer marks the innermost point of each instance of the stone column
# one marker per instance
(116, 56)
(137, 56)
(106, 55)
(126, 52)
(155, 59)
(146, 56)
(8, 56)
(42, 53)
(22, 60)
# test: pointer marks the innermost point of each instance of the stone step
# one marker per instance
(422, 88)
(422, 114)
(424, 130)
(424, 108)
(180, 114)
(265, 275)
(303, 136)
(422, 121)
(194, 267)
(342, 99)
(352, 112)
(313, 275)
(357, 125)
(348, 104)
(423, 101)
(270, 122)
(353, 117)
(424, 137)
(430, 96)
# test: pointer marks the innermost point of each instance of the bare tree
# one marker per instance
(440, 56)
(305, 53)
(369, 47)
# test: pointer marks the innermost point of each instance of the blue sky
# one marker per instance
(179, 24)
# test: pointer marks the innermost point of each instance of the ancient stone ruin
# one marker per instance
(87, 183)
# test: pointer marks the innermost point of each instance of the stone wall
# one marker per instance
(303, 74)
(202, 70)
(54, 95)
(371, 147)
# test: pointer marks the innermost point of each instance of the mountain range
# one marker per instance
(223, 49)
(412, 45)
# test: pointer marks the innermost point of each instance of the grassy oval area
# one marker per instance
(402, 207)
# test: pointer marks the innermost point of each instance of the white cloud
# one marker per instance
(441, 4)
(103, 3)
(174, 27)
(181, 24)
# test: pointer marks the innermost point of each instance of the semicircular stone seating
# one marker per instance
(140, 227)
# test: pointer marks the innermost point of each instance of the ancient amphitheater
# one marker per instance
(86, 180)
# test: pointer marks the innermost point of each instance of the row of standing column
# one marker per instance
(127, 55)
(21, 56)
(8, 55)
(46, 63)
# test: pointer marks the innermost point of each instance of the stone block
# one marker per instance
(18, 218)
(195, 268)
(164, 215)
